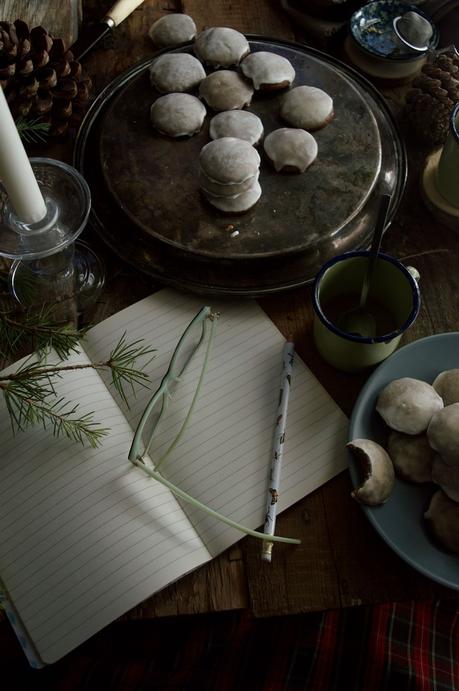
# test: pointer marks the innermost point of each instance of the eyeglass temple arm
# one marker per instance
(215, 514)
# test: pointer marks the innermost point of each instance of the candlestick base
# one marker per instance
(68, 282)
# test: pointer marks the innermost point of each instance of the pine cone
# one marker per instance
(40, 77)
(433, 96)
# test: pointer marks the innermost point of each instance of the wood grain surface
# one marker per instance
(61, 18)
(342, 561)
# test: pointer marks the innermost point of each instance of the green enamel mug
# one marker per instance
(394, 301)
(448, 165)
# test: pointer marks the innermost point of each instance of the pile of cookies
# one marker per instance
(225, 75)
(422, 446)
(229, 169)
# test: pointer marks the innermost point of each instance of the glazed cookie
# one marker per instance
(237, 204)
(443, 519)
(177, 115)
(225, 90)
(176, 72)
(407, 405)
(290, 150)
(172, 30)
(268, 71)
(221, 46)
(237, 123)
(229, 160)
(225, 189)
(307, 107)
(443, 433)
(447, 477)
(377, 472)
(447, 386)
(411, 455)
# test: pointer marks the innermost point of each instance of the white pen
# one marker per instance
(278, 447)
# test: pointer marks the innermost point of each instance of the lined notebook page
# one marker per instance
(84, 535)
(223, 458)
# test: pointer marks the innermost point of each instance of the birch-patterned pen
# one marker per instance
(278, 448)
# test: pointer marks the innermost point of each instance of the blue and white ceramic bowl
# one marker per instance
(372, 29)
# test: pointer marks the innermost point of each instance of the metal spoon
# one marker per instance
(360, 321)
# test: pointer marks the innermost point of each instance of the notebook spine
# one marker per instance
(19, 629)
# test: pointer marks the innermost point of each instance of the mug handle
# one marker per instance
(414, 272)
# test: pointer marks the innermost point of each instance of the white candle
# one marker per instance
(16, 173)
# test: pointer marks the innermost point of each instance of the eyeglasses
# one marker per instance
(201, 326)
(199, 330)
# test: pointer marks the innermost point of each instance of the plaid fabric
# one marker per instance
(404, 646)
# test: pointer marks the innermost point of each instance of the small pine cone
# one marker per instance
(432, 97)
(41, 78)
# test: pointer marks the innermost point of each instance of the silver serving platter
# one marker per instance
(301, 220)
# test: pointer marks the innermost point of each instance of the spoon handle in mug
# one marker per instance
(375, 245)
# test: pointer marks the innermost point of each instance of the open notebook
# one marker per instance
(85, 535)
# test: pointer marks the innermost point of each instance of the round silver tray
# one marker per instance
(302, 220)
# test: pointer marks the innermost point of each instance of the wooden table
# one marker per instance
(341, 561)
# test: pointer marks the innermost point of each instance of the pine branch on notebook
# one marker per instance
(30, 330)
(86, 536)
(31, 398)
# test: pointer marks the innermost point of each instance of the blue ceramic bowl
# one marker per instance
(372, 29)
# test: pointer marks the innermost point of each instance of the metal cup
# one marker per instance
(394, 289)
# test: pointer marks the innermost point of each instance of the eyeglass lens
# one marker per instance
(161, 428)
(187, 347)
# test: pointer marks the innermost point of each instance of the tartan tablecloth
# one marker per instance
(396, 646)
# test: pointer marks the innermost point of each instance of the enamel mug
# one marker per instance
(394, 298)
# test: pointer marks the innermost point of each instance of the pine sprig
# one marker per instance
(32, 131)
(122, 364)
(39, 329)
(60, 414)
(30, 393)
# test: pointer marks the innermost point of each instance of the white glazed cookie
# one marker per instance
(307, 107)
(225, 189)
(176, 72)
(225, 90)
(411, 455)
(221, 46)
(407, 405)
(172, 30)
(447, 477)
(237, 123)
(443, 433)
(447, 385)
(268, 71)
(377, 472)
(229, 160)
(177, 115)
(237, 204)
(290, 150)
(443, 519)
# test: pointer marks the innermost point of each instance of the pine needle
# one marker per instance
(31, 399)
(32, 131)
(122, 362)
(25, 409)
(38, 328)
